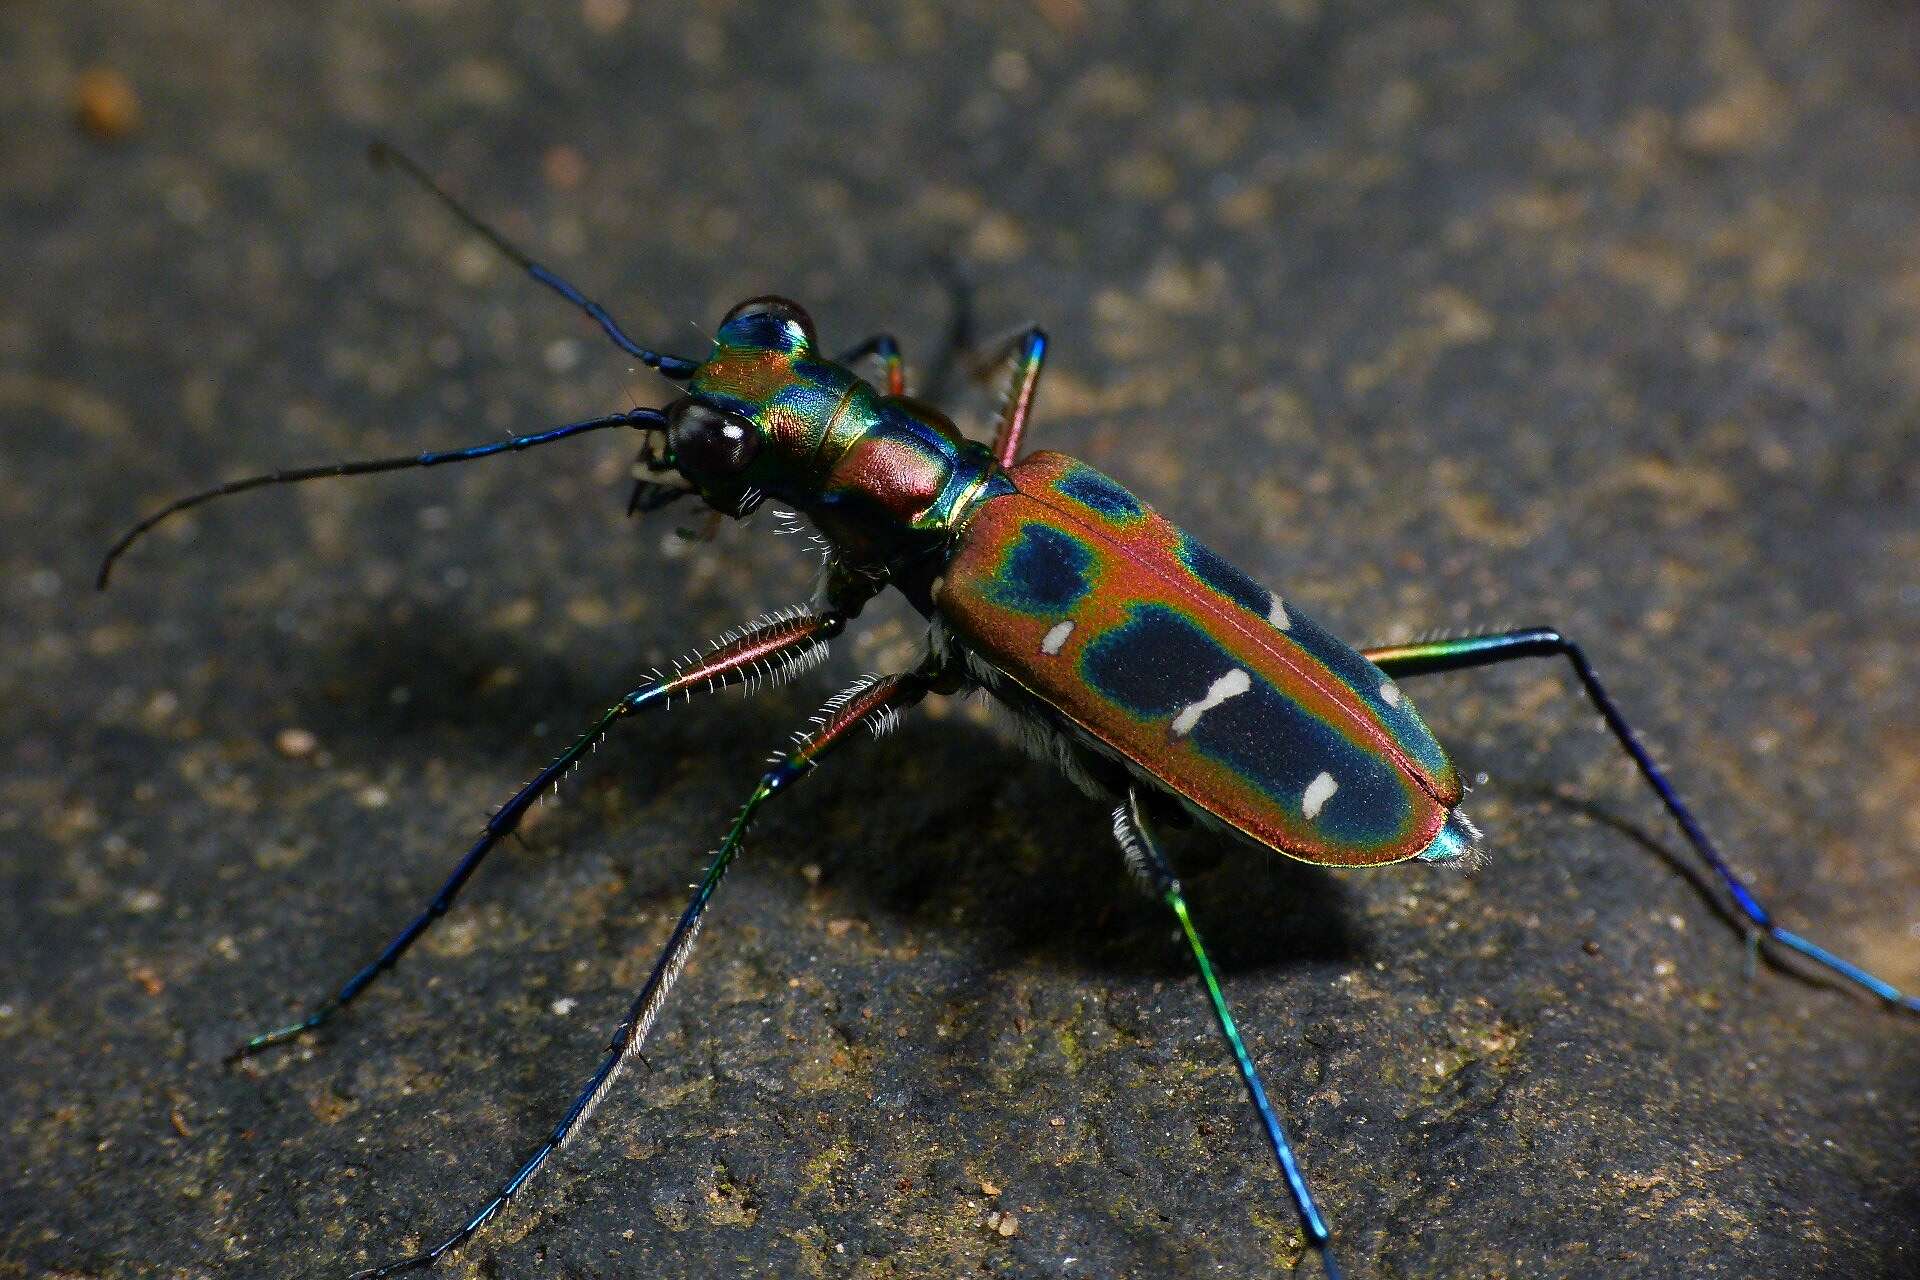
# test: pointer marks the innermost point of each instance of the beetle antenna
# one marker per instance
(641, 419)
(676, 367)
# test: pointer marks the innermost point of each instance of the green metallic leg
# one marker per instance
(1151, 869)
(872, 702)
(1467, 652)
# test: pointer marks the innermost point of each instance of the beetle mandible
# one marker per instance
(1161, 679)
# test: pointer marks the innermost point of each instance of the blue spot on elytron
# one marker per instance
(1046, 573)
(1155, 663)
(1097, 493)
(1214, 570)
(1160, 661)
(1402, 722)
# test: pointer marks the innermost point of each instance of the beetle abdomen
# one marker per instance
(1173, 659)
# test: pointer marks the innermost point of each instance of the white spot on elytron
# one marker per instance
(1277, 614)
(1056, 637)
(1319, 791)
(1230, 685)
(1390, 693)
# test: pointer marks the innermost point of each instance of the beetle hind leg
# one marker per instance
(1467, 652)
(1156, 877)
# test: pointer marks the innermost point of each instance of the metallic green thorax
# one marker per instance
(884, 477)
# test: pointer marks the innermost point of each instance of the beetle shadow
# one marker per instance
(1006, 850)
(945, 824)
(387, 691)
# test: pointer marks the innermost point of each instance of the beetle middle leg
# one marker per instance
(1023, 353)
(957, 346)
(1156, 876)
(873, 702)
(1467, 652)
(783, 644)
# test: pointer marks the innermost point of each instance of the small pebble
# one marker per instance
(604, 16)
(295, 744)
(105, 104)
(563, 167)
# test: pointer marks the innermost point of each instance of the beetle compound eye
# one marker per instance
(710, 442)
(769, 323)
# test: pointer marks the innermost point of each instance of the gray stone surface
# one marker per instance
(1437, 316)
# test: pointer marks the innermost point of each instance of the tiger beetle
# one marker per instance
(1162, 680)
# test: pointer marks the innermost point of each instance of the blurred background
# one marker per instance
(1439, 316)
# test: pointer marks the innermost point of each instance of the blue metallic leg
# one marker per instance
(785, 643)
(1545, 642)
(874, 703)
(1151, 869)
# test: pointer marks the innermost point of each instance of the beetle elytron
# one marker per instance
(1158, 677)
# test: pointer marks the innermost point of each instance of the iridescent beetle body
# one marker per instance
(1157, 675)
(1077, 599)
(1085, 611)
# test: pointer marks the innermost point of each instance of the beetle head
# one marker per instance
(756, 410)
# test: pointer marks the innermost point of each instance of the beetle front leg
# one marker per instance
(873, 702)
(1468, 652)
(784, 644)
(1156, 877)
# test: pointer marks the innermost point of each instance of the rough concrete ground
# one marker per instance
(1438, 316)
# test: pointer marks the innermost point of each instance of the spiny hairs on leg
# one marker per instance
(1145, 869)
(764, 661)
